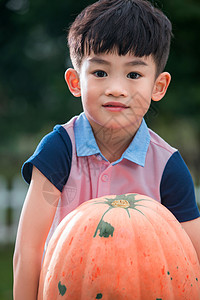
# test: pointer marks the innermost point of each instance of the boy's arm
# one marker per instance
(192, 228)
(35, 222)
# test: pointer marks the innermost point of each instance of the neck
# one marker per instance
(112, 142)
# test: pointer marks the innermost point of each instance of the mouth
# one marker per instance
(115, 105)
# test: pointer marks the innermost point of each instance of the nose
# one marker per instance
(116, 88)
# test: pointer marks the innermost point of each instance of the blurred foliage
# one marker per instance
(34, 96)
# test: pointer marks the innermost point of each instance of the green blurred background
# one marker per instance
(34, 96)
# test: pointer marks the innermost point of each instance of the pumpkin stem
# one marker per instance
(120, 203)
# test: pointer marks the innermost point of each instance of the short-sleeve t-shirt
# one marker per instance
(70, 158)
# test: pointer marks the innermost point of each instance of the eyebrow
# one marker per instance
(99, 61)
(137, 62)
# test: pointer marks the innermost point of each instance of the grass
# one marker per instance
(6, 273)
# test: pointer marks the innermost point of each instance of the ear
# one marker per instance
(160, 86)
(72, 79)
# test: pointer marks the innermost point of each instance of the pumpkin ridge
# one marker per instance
(171, 270)
(161, 258)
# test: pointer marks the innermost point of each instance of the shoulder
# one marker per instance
(176, 171)
(52, 157)
(54, 143)
(58, 135)
(159, 152)
(177, 189)
(160, 144)
(176, 185)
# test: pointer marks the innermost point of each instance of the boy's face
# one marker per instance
(116, 91)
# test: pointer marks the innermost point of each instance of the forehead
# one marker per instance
(114, 59)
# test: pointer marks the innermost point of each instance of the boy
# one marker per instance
(119, 49)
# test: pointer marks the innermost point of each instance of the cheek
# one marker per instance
(141, 101)
(89, 93)
(85, 85)
(88, 99)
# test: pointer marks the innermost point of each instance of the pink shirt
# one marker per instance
(91, 176)
(149, 166)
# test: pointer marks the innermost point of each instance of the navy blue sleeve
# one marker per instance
(52, 158)
(177, 190)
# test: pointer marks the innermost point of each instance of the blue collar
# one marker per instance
(86, 144)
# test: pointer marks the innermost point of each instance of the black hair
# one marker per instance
(122, 26)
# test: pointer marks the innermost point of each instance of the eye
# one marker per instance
(100, 73)
(133, 75)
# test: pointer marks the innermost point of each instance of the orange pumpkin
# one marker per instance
(120, 248)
